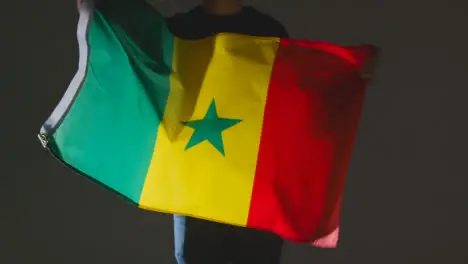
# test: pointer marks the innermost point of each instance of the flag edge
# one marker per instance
(68, 98)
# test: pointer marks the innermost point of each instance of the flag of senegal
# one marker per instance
(248, 131)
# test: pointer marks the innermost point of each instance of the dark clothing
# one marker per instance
(196, 24)
(203, 242)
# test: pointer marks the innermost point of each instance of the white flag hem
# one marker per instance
(85, 17)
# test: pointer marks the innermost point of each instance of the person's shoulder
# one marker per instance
(186, 24)
(269, 25)
(185, 18)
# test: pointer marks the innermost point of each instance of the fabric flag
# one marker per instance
(249, 131)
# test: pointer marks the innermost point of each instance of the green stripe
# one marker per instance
(111, 129)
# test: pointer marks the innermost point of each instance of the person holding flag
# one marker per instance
(200, 241)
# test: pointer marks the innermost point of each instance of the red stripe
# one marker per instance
(311, 118)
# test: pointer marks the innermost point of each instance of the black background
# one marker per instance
(406, 198)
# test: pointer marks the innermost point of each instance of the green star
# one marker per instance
(210, 128)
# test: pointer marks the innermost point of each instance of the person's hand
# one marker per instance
(368, 70)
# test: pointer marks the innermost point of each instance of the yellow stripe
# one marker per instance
(201, 181)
